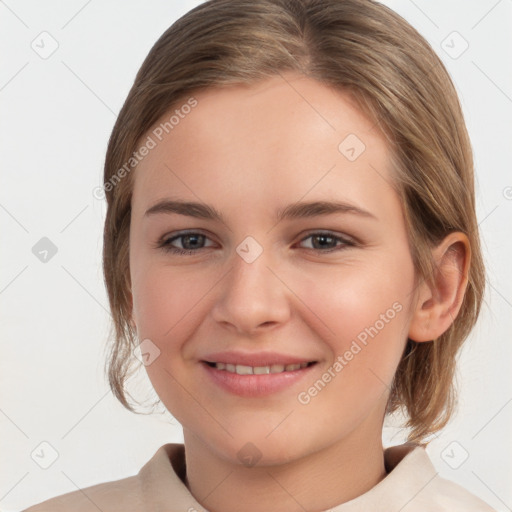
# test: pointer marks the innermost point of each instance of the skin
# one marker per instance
(248, 151)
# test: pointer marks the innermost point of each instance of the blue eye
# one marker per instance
(328, 242)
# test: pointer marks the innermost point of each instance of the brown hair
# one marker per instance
(357, 46)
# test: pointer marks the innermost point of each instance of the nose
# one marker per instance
(253, 297)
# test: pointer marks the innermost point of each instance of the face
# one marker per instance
(275, 323)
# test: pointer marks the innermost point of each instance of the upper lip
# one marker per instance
(255, 359)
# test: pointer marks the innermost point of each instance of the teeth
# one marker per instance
(241, 369)
(259, 370)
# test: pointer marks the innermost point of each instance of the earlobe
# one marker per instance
(439, 303)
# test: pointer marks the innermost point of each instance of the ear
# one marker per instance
(439, 304)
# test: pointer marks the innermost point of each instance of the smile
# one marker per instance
(241, 369)
(263, 379)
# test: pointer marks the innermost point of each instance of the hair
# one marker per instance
(361, 48)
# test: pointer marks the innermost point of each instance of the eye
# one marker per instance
(327, 242)
(190, 242)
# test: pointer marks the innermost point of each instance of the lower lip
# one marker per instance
(256, 385)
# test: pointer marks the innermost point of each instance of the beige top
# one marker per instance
(411, 485)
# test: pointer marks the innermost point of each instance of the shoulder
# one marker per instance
(154, 486)
(120, 495)
(423, 488)
(450, 496)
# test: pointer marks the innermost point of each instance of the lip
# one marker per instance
(255, 385)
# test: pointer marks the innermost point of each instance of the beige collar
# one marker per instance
(408, 465)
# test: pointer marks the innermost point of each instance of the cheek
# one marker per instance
(368, 314)
(164, 301)
(170, 306)
(167, 308)
(352, 296)
(363, 311)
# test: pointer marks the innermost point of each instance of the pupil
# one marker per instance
(187, 237)
(323, 237)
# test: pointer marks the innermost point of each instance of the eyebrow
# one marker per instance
(292, 211)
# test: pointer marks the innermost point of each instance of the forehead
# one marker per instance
(268, 142)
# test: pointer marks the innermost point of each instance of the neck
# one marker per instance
(317, 481)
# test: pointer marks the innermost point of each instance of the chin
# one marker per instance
(256, 445)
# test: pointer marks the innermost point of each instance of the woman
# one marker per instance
(291, 243)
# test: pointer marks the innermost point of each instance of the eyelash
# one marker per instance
(164, 244)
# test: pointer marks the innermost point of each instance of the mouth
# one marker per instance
(241, 369)
(256, 375)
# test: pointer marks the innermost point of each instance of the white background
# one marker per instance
(57, 115)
